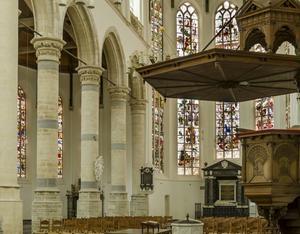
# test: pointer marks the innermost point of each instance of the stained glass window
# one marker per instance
(229, 37)
(157, 131)
(187, 30)
(188, 144)
(156, 14)
(60, 139)
(264, 116)
(188, 148)
(227, 122)
(21, 131)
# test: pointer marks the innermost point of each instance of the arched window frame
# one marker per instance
(21, 133)
(188, 132)
(229, 37)
(187, 28)
(60, 139)
(227, 122)
(156, 21)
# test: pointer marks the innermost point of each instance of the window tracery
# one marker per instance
(229, 37)
(21, 131)
(227, 122)
(187, 30)
(60, 139)
(157, 131)
(188, 143)
(156, 14)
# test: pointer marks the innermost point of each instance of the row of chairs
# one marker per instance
(234, 225)
(100, 225)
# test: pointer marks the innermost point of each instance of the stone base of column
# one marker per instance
(46, 205)
(118, 204)
(11, 210)
(89, 204)
(139, 205)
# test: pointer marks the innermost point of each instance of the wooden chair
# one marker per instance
(56, 225)
(222, 225)
(44, 226)
(209, 225)
(238, 225)
(252, 226)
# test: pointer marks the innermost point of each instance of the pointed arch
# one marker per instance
(114, 54)
(188, 143)
(229, 37)
(85, 34)
(187, 29)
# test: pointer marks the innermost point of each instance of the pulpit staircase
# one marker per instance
(290, 223)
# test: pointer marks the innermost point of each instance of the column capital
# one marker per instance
(89, 74)
(48, 48)
(138, 105)
(119, 93)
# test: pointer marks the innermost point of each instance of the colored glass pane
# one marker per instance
(187, 30)
(188, 143)
(21, 133)
(264, 116)
(156, 15)
(227, 122)
(60, 139)
(157, 131)
(229, 36)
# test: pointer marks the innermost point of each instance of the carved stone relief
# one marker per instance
(257, 155)
(285, 169)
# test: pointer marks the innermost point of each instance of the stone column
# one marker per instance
(10, 203)
(139, 201)
(47, 203)
(118, 200)
(89, 204)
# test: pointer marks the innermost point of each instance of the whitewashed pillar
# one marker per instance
(47, 203)
(10, 203)
(139, 201)
(118, 200)
(89, 204)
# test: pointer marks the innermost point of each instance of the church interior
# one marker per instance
(171, 116)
